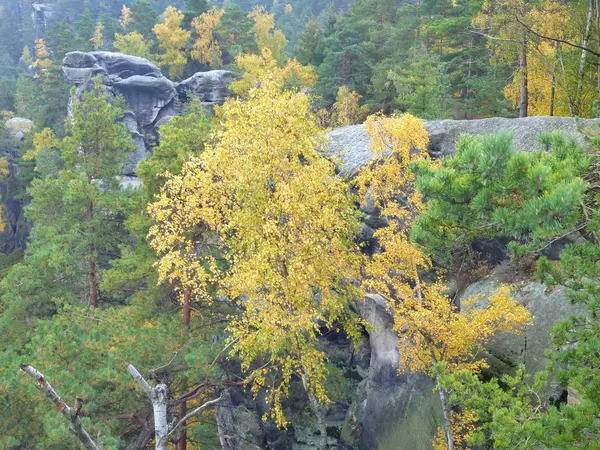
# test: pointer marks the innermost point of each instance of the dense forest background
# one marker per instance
(437, 59)
(233, 270)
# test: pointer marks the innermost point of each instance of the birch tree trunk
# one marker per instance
(446, 416)
(524, 90)
(71, 413)
(160, 400)
(316, 407)
(159, 396)
(581, 74)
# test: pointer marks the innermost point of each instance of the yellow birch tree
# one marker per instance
(172, 39)
(206, 48)
(263, 199)
(430, 328)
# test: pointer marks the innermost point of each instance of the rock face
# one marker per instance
(547, 307)
(152, 98)
(211, 87)
(351, 144)
(390, 411)
(401, 412)
(19, 127)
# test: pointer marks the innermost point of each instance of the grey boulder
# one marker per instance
(18, 127)
(350, 145)
(210, 87)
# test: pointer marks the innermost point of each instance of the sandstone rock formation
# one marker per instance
(351, 144)
(152, 98)
(19, 127)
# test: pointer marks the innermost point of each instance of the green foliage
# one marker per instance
(514, 412)
(488, 189)
(85, 353)
(181, 138)
(74, 210)
(143, 18)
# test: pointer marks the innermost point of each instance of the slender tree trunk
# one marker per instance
(524, 91)
(160, 399)
(581, 74)
(71, 413)
(446, 416)
(598, 44)
(418, 30)
(92, 272)
(468, 88)
(552, 95)
(186, 316)
(316, 407)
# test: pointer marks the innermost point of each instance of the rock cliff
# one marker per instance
(152, 98)
(351, 144)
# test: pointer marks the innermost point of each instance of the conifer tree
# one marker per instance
(488, 189)
(77, 212)
(142, 18)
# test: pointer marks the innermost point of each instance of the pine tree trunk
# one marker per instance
(446, 416)
(186, 317)
(552, 95)
(524, 91)
(92, 272)
(316, 407)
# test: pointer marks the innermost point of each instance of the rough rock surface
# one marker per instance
(152, 98)
(547, 307)
(211, 87)
(390, 411)
(19, 127)
(351, 144)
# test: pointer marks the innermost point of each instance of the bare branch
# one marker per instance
(554, 39)
(191, 414)
(160, 399)
(72, 414)
(140, 379)
(493, 38)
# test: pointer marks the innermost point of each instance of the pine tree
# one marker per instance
(309, 49)
(488, 189)
(141, 18)
(77, 212)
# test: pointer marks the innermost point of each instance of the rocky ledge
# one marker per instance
(351, 144)
(152, 97)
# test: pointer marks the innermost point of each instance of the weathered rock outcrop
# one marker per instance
(152, 98)
(18, 127)
(351, 144)
(390, 411)
(547, 307)
(400, 412)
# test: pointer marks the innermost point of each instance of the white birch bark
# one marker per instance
(71, 413)
(160, 400)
